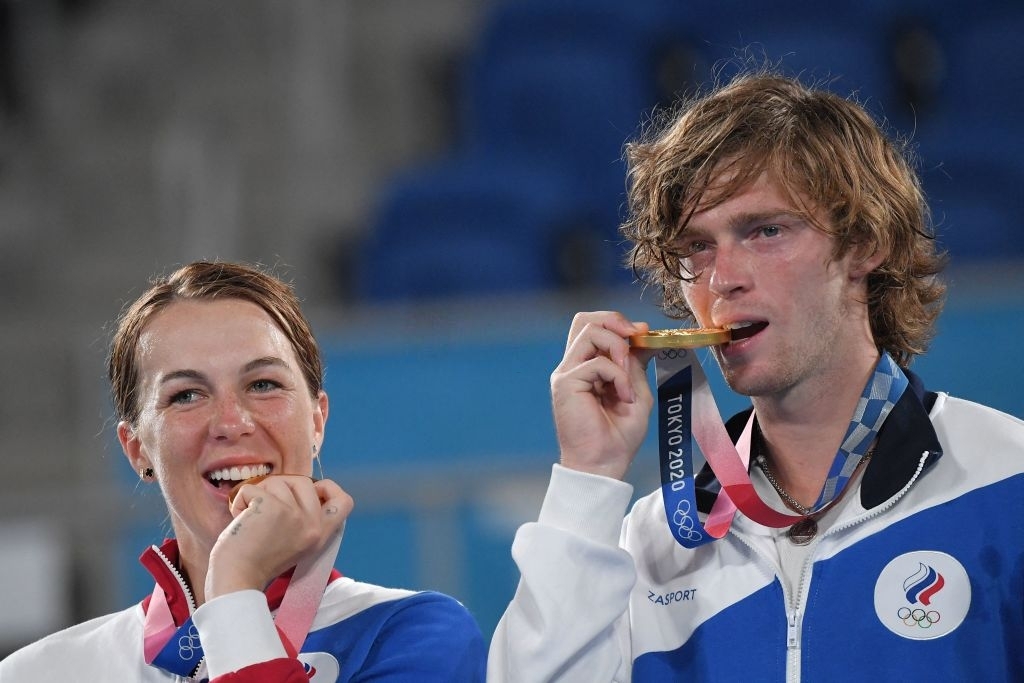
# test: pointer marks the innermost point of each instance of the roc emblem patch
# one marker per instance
(320, 666)
(922, 595)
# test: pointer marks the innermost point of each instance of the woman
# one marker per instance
(217, 380)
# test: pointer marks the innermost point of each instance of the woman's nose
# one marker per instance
(231, 418)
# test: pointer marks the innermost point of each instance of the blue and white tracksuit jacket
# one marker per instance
(920, 577)
(361, 633)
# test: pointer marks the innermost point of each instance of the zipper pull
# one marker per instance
(793, 630)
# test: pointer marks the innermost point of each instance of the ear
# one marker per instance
(319, 417)
(862, 263)
(132, 446)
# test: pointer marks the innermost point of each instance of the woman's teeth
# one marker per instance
(233, 475)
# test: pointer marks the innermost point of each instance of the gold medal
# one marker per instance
(251, 480)
(681, 339)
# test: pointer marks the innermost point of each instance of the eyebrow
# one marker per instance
(762, 216)
(266, 361)
(182, 374)
(747, 218)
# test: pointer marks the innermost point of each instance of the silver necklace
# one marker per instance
(789, 500)
(806, 529)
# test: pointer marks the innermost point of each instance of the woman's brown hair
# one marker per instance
(208, 280)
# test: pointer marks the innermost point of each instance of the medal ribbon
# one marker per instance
(178, 650)
(687, 413)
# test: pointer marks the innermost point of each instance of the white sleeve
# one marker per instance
(568, 620)
(237, 630)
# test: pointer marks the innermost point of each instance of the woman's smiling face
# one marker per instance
(219, 387)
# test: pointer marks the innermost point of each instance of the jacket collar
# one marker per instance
(167, 578)
(905, 437)
(177, 600)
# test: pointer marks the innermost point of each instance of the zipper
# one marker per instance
(794, 618)
(794, 615)
(191, 604)
(875, 512)
(181, 580)
(793, 629)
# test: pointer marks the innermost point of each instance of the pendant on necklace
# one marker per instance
(803, 531)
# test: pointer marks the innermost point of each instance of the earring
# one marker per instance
(319, 465)
(146, 473)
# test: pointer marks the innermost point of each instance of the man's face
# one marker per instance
(760, 262)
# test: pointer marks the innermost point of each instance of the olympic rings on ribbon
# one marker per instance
(685, 523)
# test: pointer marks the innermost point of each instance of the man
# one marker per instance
(785, 215)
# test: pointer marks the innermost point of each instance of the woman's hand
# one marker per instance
(600, 395)
(277, 522)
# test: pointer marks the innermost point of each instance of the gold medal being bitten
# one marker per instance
(251, 480)
(691, 338)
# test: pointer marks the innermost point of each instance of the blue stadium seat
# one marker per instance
(971, 145)
(478, 225)
(845, 58)
(986, 68)
(573, 113)
(556, 88)
(533, 197)
(568, 83)
(977, 199)
(639, 32)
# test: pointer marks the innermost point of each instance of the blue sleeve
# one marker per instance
(433, 638)
(424, 638)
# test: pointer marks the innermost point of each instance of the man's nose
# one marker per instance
(730, 271)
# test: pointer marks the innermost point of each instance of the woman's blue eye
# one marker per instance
(265, 385)
(770, 230)
(186, 396)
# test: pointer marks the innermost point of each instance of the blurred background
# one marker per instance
(442, 181)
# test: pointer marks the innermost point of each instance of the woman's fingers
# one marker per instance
(277, 521)
(335, 503)
(298, 492)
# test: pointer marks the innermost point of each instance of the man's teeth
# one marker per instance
(239, 473)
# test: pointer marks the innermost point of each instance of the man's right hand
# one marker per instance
(600, 395)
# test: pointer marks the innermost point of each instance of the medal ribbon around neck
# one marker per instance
(178, 650)
(687, 413)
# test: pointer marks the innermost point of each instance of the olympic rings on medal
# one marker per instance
(672, 354)
(918, 617)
